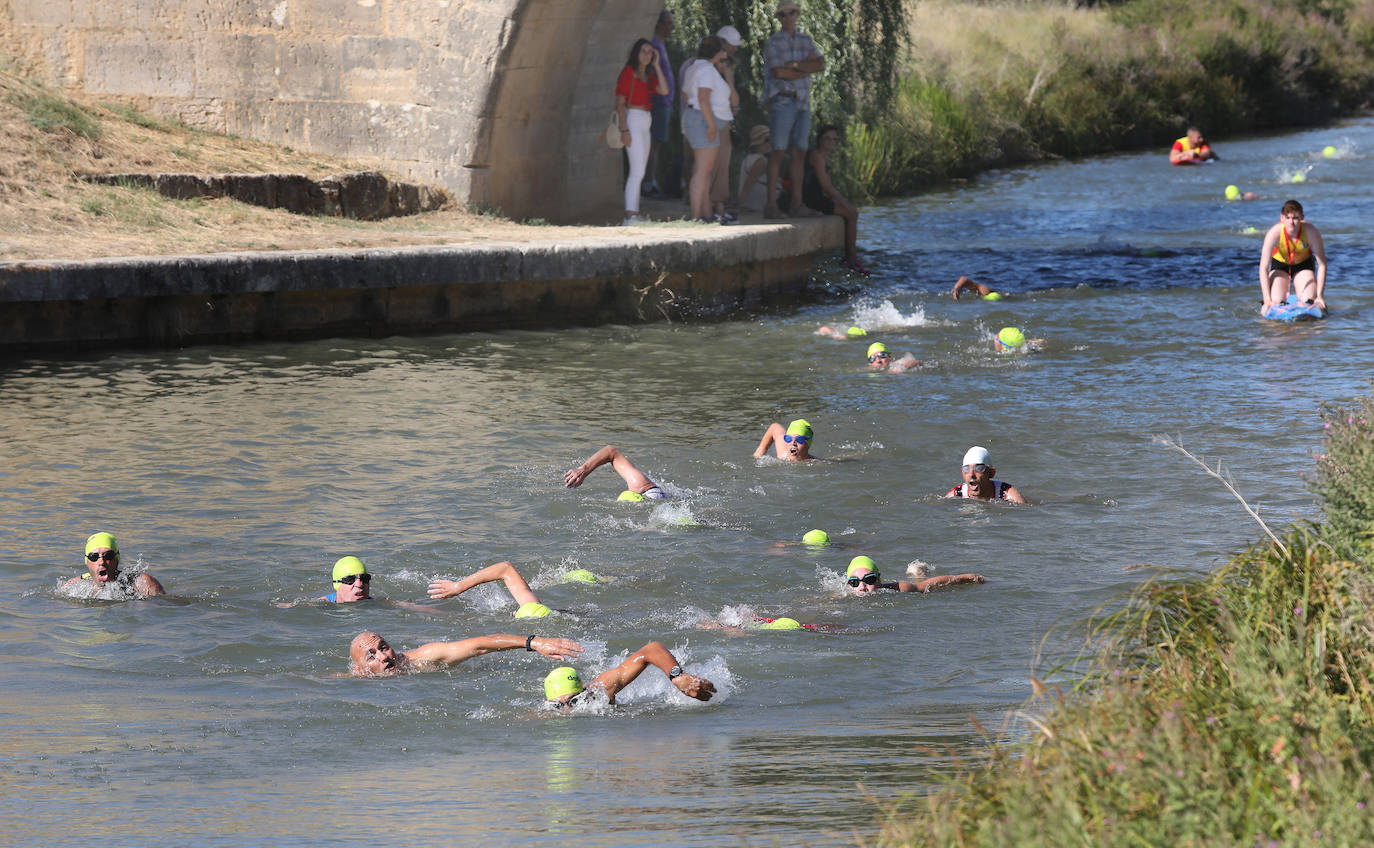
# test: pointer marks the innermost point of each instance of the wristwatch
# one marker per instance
(675, 671)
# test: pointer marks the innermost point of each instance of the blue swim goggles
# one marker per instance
(801, 440)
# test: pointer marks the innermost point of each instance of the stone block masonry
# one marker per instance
(499, 101)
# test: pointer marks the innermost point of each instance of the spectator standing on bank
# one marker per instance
(789, 59)
(641, 77)
(662, 111)
(720, 179)
(704, 89)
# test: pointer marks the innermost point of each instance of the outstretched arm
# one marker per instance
(936, 582)
(656, 655)
(515, 584)
(773, 434)
(965, 283)
(452, 653)
(628, 471)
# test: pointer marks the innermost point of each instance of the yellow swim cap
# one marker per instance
(1011, 337)
(800, 427)
(628, 495)
(781, 624)
(816, 537)
(533, 609)
(562, 681)
(856, 332)
(1329, 151)
(101, 540)
(876, 347)
(348, 565)
(580, 575)
(1232, 192)
(992, 296)
(859, 562)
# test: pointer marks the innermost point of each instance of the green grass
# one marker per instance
(1235, 708)
(55, 114)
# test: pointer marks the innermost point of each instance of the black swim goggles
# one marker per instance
(350, 579)
(869, 579)
(108, 556)
(882, 354)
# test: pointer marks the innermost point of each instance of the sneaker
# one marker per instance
(857, 267)
(729, 218)
(773, 212)
(635, 221)
(652, 191)
(804, 211)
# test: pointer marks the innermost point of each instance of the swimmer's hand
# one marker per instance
(573, 477)
(558, 649)
(695, 687)
(443, 588)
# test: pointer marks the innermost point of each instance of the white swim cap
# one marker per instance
(977, 455)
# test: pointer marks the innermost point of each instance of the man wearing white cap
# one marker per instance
(978, 480)
(789, 59)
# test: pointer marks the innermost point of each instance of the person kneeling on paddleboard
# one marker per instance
(1293, 253)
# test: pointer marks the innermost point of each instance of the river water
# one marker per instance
(237, 475)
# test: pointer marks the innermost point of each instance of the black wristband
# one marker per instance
(529, 640)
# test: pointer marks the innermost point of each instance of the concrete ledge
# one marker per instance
(616, 274)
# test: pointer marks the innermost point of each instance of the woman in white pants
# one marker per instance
(639, 80)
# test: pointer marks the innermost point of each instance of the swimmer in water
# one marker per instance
(102, 569)
(1013, 340)
(981, 290)
(371, 656)
(833, 333)
(529, 606)
(793, 444)
(862, 578)
(978, 480)
(638, 486)
(351, 582)
(880, 359)
(563, 687)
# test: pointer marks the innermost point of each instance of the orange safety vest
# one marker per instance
(1291, 251)
(1182, 144)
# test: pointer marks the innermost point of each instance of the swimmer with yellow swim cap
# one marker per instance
(563, 686)
(862, 578)
(1013, 340)
(834, 333)
(792, 443)
(638, 486)
(102, 569)
(351, 582)
(981, 290)
(529, 606)
(370, 655)
(978, 480)
(880, 359)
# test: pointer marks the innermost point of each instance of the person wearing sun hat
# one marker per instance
(638, 486)
(102, 570)
(529, 606)
(351, 582)
(789, 59)
(792, 443)
(563, 686)
(978, 480)
(862, 578)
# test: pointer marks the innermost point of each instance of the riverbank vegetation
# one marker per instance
(1231, 709)
(992, 84)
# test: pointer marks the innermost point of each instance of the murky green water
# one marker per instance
(237, 475)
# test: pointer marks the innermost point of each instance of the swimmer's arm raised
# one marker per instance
(966, 283)
(772, 434)
(519, 589)
(452, 653)
(615, 679)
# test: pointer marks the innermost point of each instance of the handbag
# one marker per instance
(613, 132)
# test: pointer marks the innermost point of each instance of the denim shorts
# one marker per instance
(788, 125)
(694, 127)
(662, 113)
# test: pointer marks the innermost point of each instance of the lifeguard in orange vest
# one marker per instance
(1192, 149)
(1293, 253)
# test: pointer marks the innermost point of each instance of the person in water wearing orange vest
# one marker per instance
(1293, 254)
(1192, 149)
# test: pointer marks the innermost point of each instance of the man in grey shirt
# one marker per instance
(789, 60)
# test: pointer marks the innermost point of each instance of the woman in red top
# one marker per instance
(639, 80)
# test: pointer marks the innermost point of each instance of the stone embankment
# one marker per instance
(364, 195)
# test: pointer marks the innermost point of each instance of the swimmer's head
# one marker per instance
(371, 655)
(580, 575)
(798, 438)
(102, 557)
(862, 576)
(351, 580)
(533, 609)
(878, 355)
(816, 537)
(1010, 338)
(992, 296)
(630, 495)
(977, 466)
(1233, 192)
(561, 684)
(781, 624)
(856, 332)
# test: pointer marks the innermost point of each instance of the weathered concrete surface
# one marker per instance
(501, 102)
(639, 274)
(364, 195)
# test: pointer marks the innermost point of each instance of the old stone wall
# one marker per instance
(499, 101)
